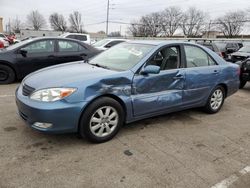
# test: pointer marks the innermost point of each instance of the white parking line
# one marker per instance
(2, 96)
(233, 178)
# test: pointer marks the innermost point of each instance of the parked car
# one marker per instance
(4, 40)
(233, 47)
(78, 36)
(3, 43)
(107, 43)
(244, 72)
(240, 55)
(212, 46)
(25, 57)
(129, 82)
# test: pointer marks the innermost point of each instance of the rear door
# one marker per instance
(154, 93)
(68, 51)
(202, 75)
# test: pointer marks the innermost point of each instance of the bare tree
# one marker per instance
(75, 20)
(136, 29)
(57, 22)
(171, 19)
(232, 23)
(101, 32)
(193, 22)
(16, 25)
(152, 24)
(36, 20)
(115, 34)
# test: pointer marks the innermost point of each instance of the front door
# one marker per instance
(39, 54)
(153, 93)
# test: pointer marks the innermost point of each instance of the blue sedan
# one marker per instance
(131, 81)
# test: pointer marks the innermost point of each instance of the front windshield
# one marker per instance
(122, 57)
(245, 49)
(101, 43)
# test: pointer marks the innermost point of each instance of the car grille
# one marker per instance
(27, 90)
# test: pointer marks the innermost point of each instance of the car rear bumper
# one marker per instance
(63, 116)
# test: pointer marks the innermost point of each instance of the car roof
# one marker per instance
(55, 38)
(64, 34)
(159, 42)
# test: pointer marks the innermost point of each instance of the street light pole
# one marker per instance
(107, 22)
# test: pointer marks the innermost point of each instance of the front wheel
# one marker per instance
(215, 100)
(101, 120)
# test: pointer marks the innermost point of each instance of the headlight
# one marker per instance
(52, 94)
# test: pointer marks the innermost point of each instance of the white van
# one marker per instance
(78, 36)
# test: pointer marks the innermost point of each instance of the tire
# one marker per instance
(7, 75)
(95, 123)
(215, 100)
(242, 83)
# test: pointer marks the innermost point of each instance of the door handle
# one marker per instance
(178, 77)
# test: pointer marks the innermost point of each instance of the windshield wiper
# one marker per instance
(98, 65)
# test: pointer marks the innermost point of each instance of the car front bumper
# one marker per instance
(62, 116)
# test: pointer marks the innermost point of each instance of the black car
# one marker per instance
(244, 72)
(240, 55)
(233, 47)
(212, 46)
(30, 55)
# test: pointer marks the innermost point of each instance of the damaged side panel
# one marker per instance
(152, 93)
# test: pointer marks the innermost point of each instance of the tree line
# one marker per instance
(36, 21)
(192, 23)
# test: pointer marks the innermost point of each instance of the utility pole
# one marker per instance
(107, 22)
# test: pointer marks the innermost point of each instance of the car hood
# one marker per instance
(66, 75)
(243, 54)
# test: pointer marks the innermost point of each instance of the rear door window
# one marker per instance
(68, 46)
(196, 57)
(81, 37)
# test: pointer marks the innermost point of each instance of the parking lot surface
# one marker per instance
(188, 149)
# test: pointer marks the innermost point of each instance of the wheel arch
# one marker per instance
(6, 63)
(112, 96)
(225, 88)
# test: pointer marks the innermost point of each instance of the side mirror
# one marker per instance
(23, 52)
(151, 69)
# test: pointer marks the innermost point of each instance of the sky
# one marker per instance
(94, 11)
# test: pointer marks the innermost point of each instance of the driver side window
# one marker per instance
(167, 58)
(40, 46)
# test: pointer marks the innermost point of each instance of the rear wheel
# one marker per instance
(102, 120)
(7, 75)
(215, 100)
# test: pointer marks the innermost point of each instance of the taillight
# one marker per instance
(238, 71)
(223, 54)
(1, 45)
